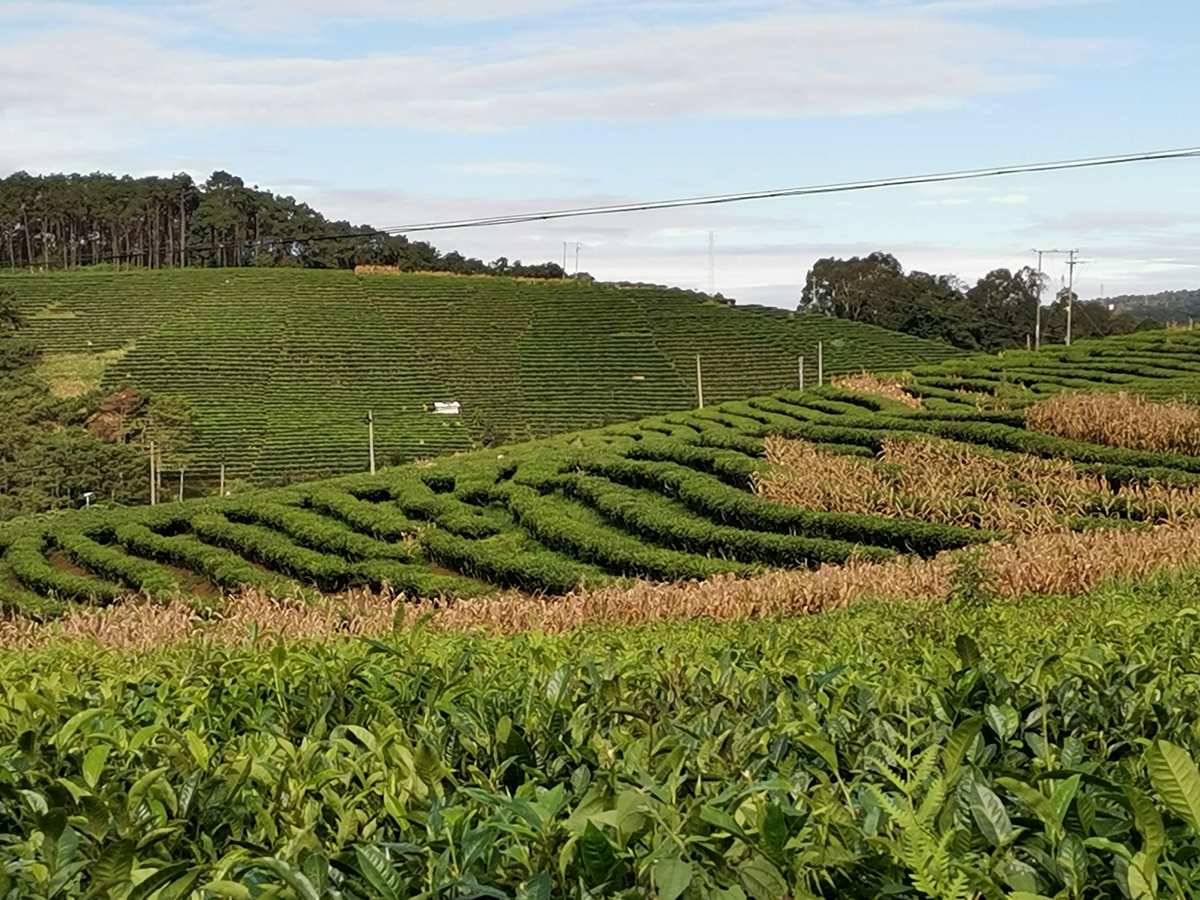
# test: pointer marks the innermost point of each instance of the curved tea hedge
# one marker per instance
(667, 497)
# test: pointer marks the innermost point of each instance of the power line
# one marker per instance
(719, 199)
(808, 190)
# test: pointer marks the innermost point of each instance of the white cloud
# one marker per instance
(759, 67)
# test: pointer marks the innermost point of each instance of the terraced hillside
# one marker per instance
(281, 365)
(672, 497)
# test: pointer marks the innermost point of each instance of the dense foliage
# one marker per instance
(68, 221)
(1030, 750)
(998, 311)
(1166, 306)
(49, 457)
(280, 367)
(668, 497)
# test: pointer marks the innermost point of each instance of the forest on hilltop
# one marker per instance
(998, 311)
(64, 221)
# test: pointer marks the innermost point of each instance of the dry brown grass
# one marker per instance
(142, 624)
(953, 483)
(888, 388)
(1120, 420)
(1068, 563)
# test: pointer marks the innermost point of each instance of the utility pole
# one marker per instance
(370, 420)
(181, 485)
(820, 363)
(153, 483)
(699, 384)
(1037, 318)
(564, 266)
(221, 491)
(577, 246)
(1071, 264)
(712, 268)
(801, 373)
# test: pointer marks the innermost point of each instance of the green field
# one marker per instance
(1026, 750)
(281, 366)
(663, 498)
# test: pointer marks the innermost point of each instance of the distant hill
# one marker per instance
(1165, 306)
(282, 365)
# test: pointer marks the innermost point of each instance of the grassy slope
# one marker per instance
(283, 364)
(665, 497)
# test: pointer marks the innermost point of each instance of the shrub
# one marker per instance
(112, 564)
(223, 568)
(730, 466)
(657, 519)
(718, 501)
(415, 581)
(531, 570)
(380, 521)
(416, 498)
(559, 524)
(26, 558)
(275, 551)
(315, 531)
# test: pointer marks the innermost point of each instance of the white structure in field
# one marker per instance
(447, 407)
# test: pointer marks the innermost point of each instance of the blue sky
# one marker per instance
(388, 112)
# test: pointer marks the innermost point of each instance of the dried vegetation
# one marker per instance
(873, 385)
(1120, 420)
(1068, 563)
(954, 483)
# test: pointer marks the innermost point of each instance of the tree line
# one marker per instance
(998, 311)
(67, 221)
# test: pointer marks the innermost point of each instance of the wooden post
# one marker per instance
(1028, 345)
(181, 485)
(699, 384)
(153, 483)
(221, 491)
(820, 363)
(371, 438)
(802, 373)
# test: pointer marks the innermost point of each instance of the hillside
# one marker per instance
(689, 495)
(1165, 306)
(282, 365)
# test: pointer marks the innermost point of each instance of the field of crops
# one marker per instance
(281, 366)
(1040, 749)
(998, 701)
(792, 480)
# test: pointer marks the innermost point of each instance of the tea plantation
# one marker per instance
(664, 498)
(281, 366)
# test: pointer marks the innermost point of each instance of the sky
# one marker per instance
(390, 112)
